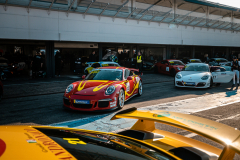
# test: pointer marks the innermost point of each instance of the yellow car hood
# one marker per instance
(22, 142)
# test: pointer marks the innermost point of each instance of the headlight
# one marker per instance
(178, 76)
(110, 90)
(205, 77)
(69, 88)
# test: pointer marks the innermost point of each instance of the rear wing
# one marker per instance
(221, 133)
(133, 69)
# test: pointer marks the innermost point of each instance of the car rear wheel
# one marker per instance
(121, 99)
(140, 88)
(173, 72)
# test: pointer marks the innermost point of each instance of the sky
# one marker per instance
(233, 3)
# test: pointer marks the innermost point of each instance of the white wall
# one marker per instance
(16, 23)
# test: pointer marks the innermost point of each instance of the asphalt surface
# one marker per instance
(40, 102)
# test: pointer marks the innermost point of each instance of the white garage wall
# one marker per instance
(17, 23)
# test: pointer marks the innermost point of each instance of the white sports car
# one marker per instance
(198, 75)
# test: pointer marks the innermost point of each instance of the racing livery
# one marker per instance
(141, 142)
(198, 75)
(105, 88)
(169, 66)
(92, 65)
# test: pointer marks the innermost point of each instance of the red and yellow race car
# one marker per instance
(105, 88)
(169, 66)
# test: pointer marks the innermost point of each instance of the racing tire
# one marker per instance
(140, 88)
(121, 99)
(173, 72)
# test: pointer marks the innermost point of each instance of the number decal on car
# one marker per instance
(167, 69)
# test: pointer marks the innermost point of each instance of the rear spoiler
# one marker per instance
(218, 132)
(133, 69)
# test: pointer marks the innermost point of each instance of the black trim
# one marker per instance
(140, 135)
(126, 111)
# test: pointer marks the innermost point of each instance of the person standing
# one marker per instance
(113, 58)
(231, 57)
(206, 58)
(235, 68)
(92, 57)
(139, 62)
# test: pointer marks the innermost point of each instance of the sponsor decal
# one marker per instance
(31, 141)
(51, 145)
(167, 69)
(162, 114)
(193, 60)
(171, 62)
(185, 121)
(81, 101)
(95, 71)
(113, 104)
(74, 141)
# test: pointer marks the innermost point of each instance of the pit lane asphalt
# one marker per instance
(41, 103)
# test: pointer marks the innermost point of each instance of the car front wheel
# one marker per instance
(121, 99)
(140, 88)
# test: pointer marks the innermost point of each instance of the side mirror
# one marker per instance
(129, 78)
(84, 76)
(217, 70)
(166, 64)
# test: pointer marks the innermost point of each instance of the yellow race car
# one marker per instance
(142, 141)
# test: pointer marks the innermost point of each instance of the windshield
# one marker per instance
(198, 68)
(110, 64)
(87, 145)
(195, 61)
(175, 63)
(105, 74)
(221, 60)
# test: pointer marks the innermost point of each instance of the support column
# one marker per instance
(50, 59)
(193, 52)
(168, 52)
(207, 15)
(227, 53)
(100, 51)
(131, 52)
(174, 8)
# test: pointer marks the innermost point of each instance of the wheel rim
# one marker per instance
(121, 98)
(140, 88)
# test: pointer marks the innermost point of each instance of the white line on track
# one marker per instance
(231, 117)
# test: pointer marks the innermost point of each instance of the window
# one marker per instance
(126, 73)
(95, 65)
(163, 62)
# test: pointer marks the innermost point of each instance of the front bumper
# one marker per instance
(199, 84)
(108, 103)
